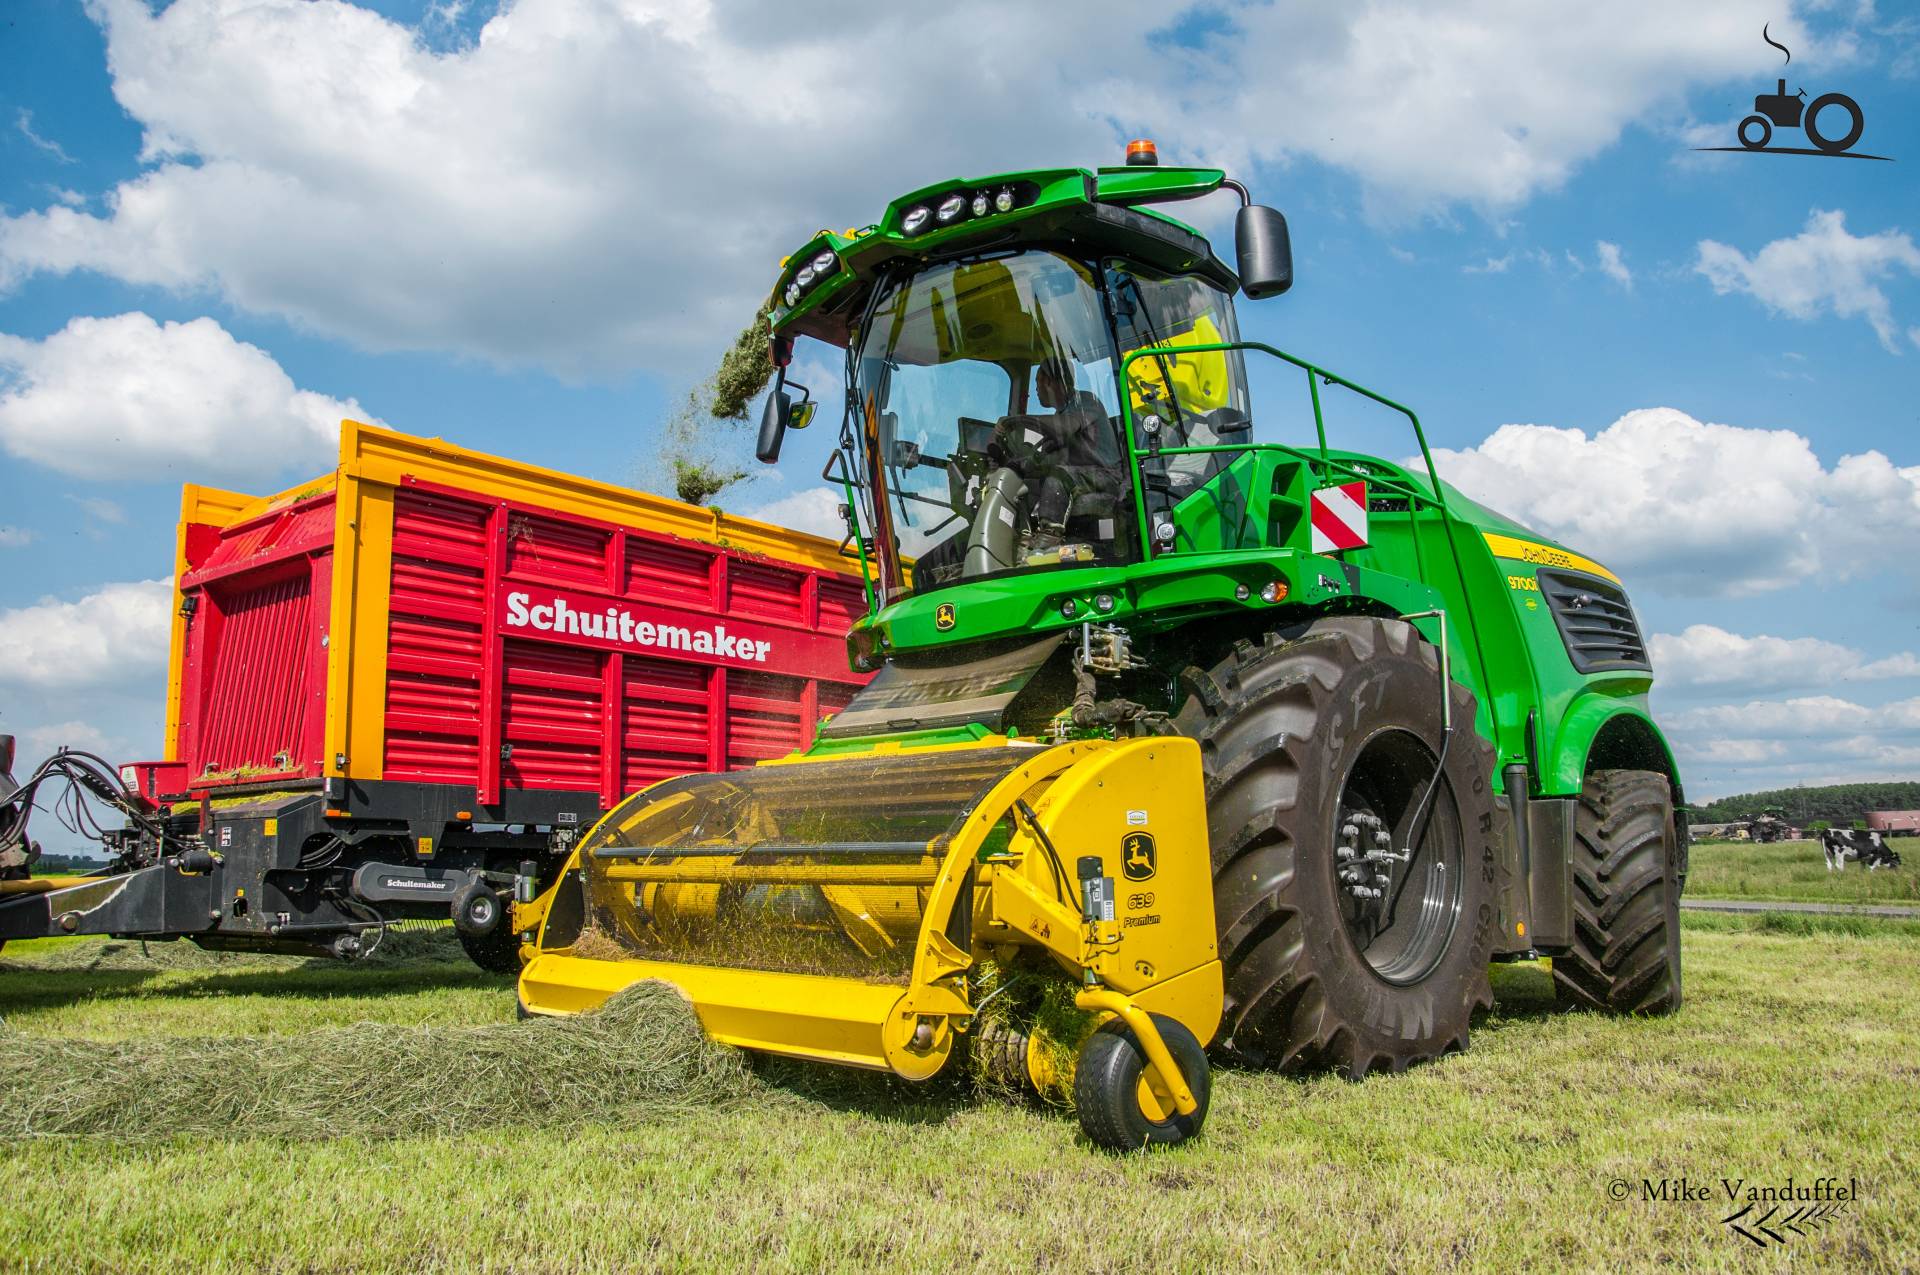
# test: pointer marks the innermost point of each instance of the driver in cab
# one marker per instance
(1069, 453)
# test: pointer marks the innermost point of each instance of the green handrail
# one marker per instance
(1316, 375)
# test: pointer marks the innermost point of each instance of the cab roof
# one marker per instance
(823, 287)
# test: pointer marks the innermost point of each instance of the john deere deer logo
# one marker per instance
(1832, 122)
(1137, 856)
(943, 618)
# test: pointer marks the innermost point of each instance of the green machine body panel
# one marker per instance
(1530, 625)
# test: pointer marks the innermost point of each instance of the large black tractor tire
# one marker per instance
(1294, 731)
(1625, 957)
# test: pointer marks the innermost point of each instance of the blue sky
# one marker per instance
(531, 228)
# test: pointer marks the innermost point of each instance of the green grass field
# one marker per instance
(1796, 871)
(1795, 1054)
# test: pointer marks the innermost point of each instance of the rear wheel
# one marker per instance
(1625, 957)
(1346, 942)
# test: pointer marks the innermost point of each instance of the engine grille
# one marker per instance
(1596, 622)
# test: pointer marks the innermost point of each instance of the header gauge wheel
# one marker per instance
(1350, 938)
(1122, 1105)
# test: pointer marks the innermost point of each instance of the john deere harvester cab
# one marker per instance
(1184, 733)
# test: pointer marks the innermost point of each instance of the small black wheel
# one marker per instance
(1121, 1106)
(476, 910)
(1766, 132)
(1856, 122)
(480, 919)
(497, 952)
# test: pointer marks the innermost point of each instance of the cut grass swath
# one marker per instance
(643, 1053)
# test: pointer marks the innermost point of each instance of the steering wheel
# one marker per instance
(968, 466)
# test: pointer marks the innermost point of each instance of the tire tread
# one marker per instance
(1625, 955)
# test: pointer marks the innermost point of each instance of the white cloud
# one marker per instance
(1812, 739)
(100, 509)
(1736, 752)
(16, 537)
(1707, 657)
(23, 120)
(116, 635)
(1695, 507)
(1799, 717)
(1611, 264)
(125, 396)
(595, 185)
(1480, 102)
(40, 742)
(1492, 265)
(815, 510)
(1820, 270)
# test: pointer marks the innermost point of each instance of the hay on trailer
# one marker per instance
(640, 1056)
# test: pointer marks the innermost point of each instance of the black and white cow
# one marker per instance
(1869, 849)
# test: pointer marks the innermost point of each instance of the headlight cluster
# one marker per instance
(955, 206)
(811, 273)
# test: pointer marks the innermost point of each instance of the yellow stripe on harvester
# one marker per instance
(1544, 555)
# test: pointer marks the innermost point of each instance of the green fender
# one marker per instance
(1605, 732)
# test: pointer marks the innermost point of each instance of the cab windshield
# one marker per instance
(988, 411)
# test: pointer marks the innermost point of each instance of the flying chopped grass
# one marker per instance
(641, 1056)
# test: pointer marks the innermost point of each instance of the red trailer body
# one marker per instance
(403, 689)
(529, 644)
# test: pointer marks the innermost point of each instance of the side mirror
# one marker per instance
(801, 414)
(773, 426)
(1265, 251)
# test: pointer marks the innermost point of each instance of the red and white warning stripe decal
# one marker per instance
(1339, 517)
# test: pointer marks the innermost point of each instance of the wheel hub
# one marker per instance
(1398, 885)
(1366, 857)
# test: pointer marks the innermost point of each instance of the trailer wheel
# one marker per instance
(1625, 957)
(1318, 745)
(1119, 1108)
(497, 951)
(482, 920)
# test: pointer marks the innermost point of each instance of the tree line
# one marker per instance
(1837, 804)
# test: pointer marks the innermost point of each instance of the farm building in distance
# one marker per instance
(1893, 821)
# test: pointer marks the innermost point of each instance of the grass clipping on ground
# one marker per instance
(398, 946)
(643, 1051)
